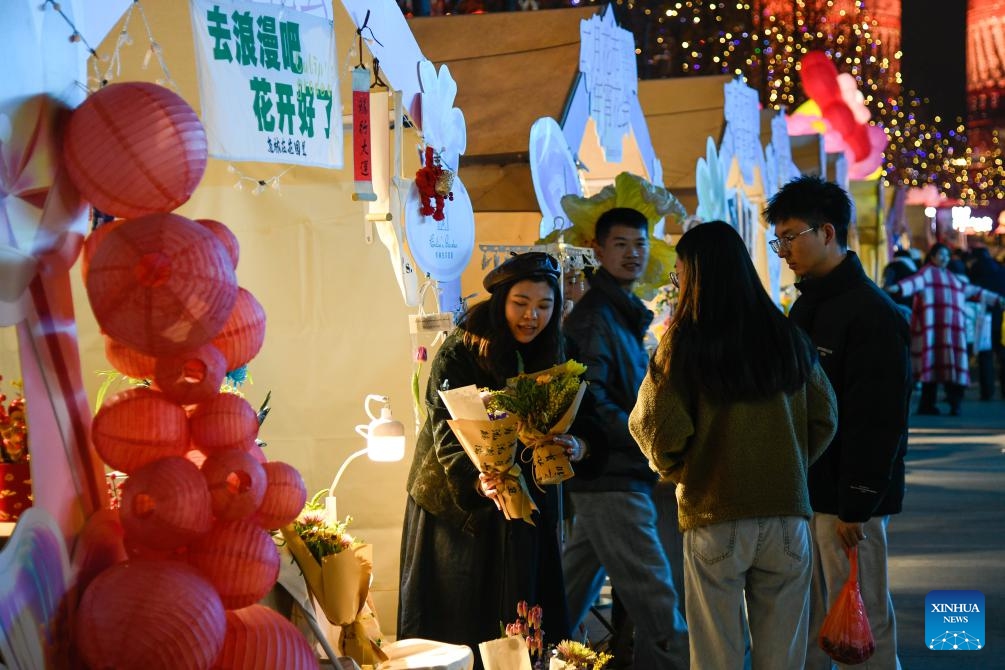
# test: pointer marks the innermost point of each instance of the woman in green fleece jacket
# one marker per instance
(734, 408)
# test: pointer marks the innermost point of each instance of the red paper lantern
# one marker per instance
(285, 495)
(257, 452)
(137, 427)
(128, 361)
(155, 615)
(225, 421)
(92, 241)
(135, 148)
(240, 560)
(243, 334)
(161, 284)
(259, 638)
(191, 377)
(166, 504)
(226, 237)
(236, 483)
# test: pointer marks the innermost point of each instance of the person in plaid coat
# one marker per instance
(938, 332)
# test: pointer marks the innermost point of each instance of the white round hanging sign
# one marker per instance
(441, 248)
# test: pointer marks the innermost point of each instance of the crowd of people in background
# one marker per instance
(953, 301)
(781, 440)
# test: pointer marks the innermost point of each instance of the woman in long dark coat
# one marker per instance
(464, 567)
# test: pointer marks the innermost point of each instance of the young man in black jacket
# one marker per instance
(863, 345)
(614, 524)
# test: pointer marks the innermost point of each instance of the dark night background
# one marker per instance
(933, 41)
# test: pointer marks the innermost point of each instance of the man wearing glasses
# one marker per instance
(863, 345)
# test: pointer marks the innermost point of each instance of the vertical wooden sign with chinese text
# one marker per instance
(362, 148)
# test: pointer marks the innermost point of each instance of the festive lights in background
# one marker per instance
(763, 40)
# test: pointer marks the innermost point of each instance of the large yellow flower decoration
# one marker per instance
(628, 190)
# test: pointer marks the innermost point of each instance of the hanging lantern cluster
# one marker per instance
(200, 498)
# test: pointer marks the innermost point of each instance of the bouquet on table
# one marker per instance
(337, 568)
(545, 404)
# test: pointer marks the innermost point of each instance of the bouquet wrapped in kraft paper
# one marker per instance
(545, 405)
(341, 584)
(492, 447)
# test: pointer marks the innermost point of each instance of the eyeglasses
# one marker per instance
(784, 243)
(675, 280)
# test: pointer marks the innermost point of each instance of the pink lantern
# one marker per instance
(240, 560)
(243, 334)
(137, 427)
(285, 496)
(128, 361)
(135, 148)
(259, 638)
(236, 483)
(191, 377)
(161, 284)
(225, 421)
(165, 504)
(226, 237)
(155, 615)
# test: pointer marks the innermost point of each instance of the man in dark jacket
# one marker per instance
(863, 345)
(988, 273)
(614, 523)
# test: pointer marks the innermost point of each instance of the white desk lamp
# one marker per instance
(385, 443)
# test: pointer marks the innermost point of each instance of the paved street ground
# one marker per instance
(951, 535)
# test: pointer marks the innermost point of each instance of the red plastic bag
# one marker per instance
(846, 635)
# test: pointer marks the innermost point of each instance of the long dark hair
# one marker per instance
(727, 337)
(487, 333)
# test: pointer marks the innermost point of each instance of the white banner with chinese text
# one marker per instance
(268, 83)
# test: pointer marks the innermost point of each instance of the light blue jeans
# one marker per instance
(830, 571)
(764, 561)
(616, 531)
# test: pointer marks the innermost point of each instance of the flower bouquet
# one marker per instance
(520, 641)
(570, 655)
(337, 569)
(15, 467)
(545, 404)
(490, 442)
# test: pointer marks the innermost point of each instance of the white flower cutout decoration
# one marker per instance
(441, 248)
(553, 171)
(443, 126)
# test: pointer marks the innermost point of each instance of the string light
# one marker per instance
(75, 35)
(257, 186)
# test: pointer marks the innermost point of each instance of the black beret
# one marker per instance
(531, 265)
